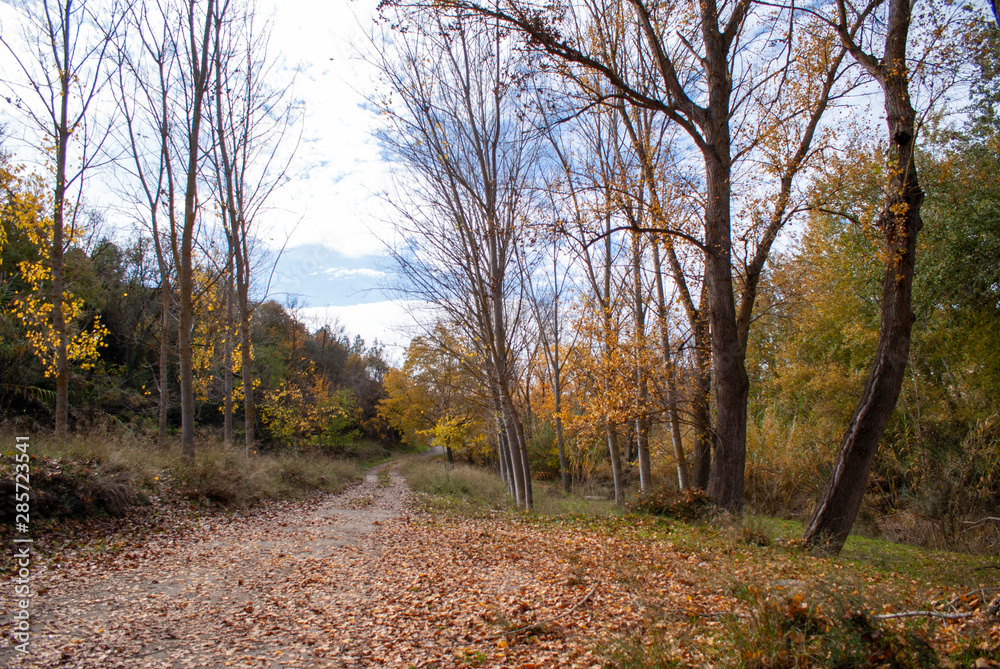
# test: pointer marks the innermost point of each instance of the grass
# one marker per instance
(225, 476)
(456, 487)
(105, 466)
(464, 488)
(778, 605)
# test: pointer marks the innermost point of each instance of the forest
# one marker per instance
(661, 250)
(703, 370)
(167, 323)
(751, 251)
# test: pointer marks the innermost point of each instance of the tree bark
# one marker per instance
(502, 461)
(227, 428)
(899, 222)
(200, 64)
(56, 268)
(513, 452)
(62, 136)
(614, 454)
(529, 498)
(672, 416)
(641, 382)
(560, 442)
(704, 442)
(161, 438)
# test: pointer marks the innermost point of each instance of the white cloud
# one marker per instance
(345, 273)
(337, 170)
(392, 322)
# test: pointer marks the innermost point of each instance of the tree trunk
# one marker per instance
(560, 444)
(673, 418)
(58, 317)
(900, 223)
(731, 382)
(62, 137)
(641, 382)
(161, 439)
(529, 498)
(517, 463)
(701, 455)
(513, 451)
(616, 462)
(185, 350)
(246, 367)
(508, 462)
(200, 65)
(227, 430)
(502, 462)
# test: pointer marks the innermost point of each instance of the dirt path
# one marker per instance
(266, 590)
(366, 579)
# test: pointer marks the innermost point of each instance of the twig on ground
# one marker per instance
(980, 591)
(706, 614)
(982, 520)
(928, 614)
(546, 622)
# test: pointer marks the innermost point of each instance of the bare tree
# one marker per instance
(195, 44)
(252, 156)
(146, 63)
(66, 75)
(468, 163)
(545, 304)
(712, 70)
(164, 78)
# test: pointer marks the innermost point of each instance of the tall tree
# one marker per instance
(196, 45)
(252, 156)
(459, 133)
(71, 41)
(693, 65)
(545, 303)
(899, 222)
(145, 77)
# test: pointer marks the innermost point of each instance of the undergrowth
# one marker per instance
(462, 487)
(830, 628)
(110, 471)
(768, 603)
(456, 486)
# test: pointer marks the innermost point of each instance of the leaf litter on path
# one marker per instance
(366, 579)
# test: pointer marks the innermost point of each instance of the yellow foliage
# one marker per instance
(26, 207)
(314, 413)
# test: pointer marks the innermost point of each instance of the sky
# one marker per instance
(330, 216)
(328, 220)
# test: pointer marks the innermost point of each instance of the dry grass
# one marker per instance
(463, 487)
(450, 486)
(117, 468)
